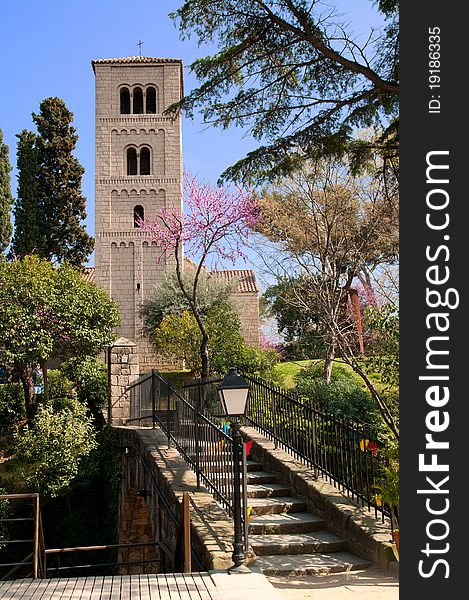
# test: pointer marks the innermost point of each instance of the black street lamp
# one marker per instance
(234, 392)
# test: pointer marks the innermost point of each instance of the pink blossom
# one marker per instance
(216, 223)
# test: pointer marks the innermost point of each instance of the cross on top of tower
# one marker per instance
(140, 44)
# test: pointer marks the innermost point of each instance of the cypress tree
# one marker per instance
(50, 193)
(6, 199)
(28, 219)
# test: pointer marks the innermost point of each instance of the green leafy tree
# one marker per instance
(295, 75)
(298, 325)
(168, 299)
(50, 450)
(385, 360)
(342, 396)
(330, 228)
(50, 193)
(46, 312)
(6, 199)
(179, 336)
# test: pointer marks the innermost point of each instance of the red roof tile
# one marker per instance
(246, 278)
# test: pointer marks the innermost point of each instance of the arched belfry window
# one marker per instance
(138, 101)
(151, 101)
(125, 101)
(131, 161)
(139, 215)
(144, 161)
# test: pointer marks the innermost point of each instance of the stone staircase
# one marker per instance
(287, 539)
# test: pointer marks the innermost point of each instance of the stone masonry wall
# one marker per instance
(123, 369)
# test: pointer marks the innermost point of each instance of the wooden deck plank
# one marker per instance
(155, 593)
(45, 589)
(59, 590)
(172, 586)
(87, 589)
(106, 589)
(116, 587)
(4, 587)
(144, 589)
(210, 586)
(125, 587)
(97, 587)
(28, 588)
(196, 586)
(165, 586)
(184, 593)
(13, 589)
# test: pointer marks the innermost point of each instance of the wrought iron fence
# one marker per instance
(203, 443)
(347, 454)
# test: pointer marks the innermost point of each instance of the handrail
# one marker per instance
(348, 454)
(203, 444)
(37, 554)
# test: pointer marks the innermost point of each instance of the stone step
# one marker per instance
(299, 522)
(296, 543)
(265, 490)
(310, 564)
(278, 504)
(255, 477)
(226, 467)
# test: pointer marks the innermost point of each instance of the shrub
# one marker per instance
(11, 405)
(89, 376)
(49, 451)
(247, 359)
(342, 396)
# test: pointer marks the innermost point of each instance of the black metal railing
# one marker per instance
(347, 454)
(203, 443)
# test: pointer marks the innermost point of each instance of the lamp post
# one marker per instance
(233, 392)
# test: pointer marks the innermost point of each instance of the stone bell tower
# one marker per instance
(138, 172)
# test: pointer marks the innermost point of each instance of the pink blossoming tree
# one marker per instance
(213, 228)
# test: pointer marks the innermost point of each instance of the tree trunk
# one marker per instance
(205, 370)
(329, 361)
(45, 381)
(26, 376)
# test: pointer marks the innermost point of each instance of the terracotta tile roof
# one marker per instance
(246, 279)
(88, 274)
(134, 59)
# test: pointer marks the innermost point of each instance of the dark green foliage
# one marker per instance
(88, 515)
(89, 376)
(11, 405)
(298, 325)
(342, 396)
(28, 235)
(50, 204)
(5, 512)
(295, 76)
(6, 199)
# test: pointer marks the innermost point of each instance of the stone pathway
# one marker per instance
(371, 584)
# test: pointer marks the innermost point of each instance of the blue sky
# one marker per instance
(46, 50)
